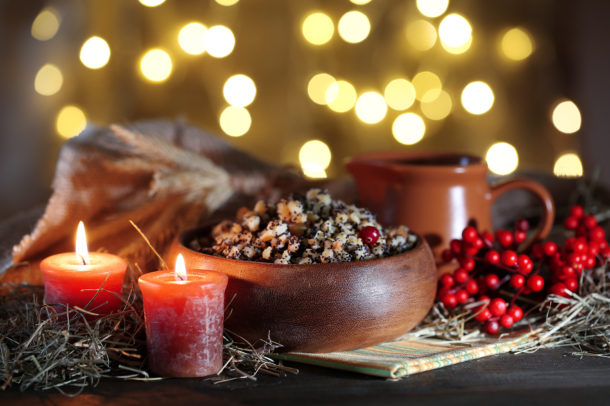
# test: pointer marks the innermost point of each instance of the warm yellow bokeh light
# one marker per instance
(399, 94)
(568, 166)
(46, 24)
(408, 128)
(317, 87)
(70, 121)
(502, 158)
(566, 117)
(156, 65)
(437, 108)
(235, 121)
(360, 2)
(458, 50)
(432, 8)
(318, 28)
(455, 31)
(239, 90)
(192, 38)
(354, 27)
(341, 96)
(151, 3)
(48, 80)
(95, 53)
(517, 44)
(421, 35)
(371, 107)
(313, 170)
(477, 97)
(427, 84)
(219, 41)
(315, 153)
(227, 3)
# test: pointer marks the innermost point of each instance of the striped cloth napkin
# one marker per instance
(402, 358)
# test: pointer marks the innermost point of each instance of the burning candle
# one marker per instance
(184, 316)
(75, 278)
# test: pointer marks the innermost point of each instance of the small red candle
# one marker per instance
(74, 278)
(184, 317)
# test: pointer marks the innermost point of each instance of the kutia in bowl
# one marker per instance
(314, 274)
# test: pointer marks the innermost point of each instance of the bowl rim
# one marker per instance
(192, 232)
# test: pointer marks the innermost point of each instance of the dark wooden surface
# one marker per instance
(548, 377)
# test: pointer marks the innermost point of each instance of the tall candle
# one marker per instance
(184, 314)
(75, 278)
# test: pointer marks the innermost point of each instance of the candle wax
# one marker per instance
(184, 322)
(66, 276)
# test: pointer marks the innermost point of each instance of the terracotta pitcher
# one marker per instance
(436, 194)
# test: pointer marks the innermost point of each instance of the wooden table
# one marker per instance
(547, 377)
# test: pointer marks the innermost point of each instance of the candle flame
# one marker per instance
(180, 269)
(81, 243)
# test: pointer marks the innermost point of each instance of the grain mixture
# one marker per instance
(304, 230)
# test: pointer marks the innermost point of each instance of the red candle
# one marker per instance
(74, 278)
(184, 320)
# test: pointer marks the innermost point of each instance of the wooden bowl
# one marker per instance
(321, 307)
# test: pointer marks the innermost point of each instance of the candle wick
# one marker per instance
(180, 277)
(82, 258)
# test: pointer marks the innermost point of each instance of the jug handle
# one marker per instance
(543, 196)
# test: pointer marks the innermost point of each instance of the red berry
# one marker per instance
(605, 252)
(369, 235)
(472, 287)
(449, 300)
(470, 234)
(515, 312)
(549, 248)
(519, 236)
(517, 281)
(593, 248)
(590, 222)
(577, 211)
(567, 272)
(570, 223)
(447, 280)
(509, 258)
(535, 283)
(447, 255)
(559, 289)
(580, 246)
(525, 263)
(504, 238)
(467, 263)
(597, 234)
(571, 284)
(488, 238)
(507, 321)
(478, 243)
(455, 246)
(522, 224)
(492, 257)
(537, 251)
(483, 315)
(461, 296)
(492, 327)
(590, 262)
(497, 307)
(492, 280)
(603, 244)
(460, 275)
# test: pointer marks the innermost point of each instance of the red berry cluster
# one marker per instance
(492, 270)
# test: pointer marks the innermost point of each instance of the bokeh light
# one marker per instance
(421, 35)
(235, 121)
(46, 24)
(437, 108)
(360, 2)
(455, 33)
(227, 3)
(427, 84)
(315, 157)
(458, 50)
(317, 87)
(517, 44)
(341, 96)
(318, 28)
(48, 80)
(192, 38)
(477, 97)
(70, 121)
(408, 128)
(354, 27)
(219, 41)
(95, 53)
(156, 65)
(371, 107)
(568, 166)
(566, 117)
(239, 90)
(502, 158)
(151, 3)
(432, 8)
(399, 94)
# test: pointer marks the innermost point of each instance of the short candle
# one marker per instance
(75, 278)
(184, 314)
